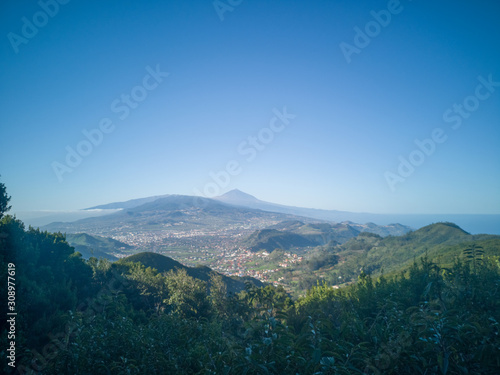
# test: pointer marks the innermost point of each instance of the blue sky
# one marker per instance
(352, 118)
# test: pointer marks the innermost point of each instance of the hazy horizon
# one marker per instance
(472, 223)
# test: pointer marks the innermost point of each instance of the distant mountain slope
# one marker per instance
(271, 239)
(384, 230)
(186, 213)
(325, 233)
(163, 263)
(239, 198)
(96, 246)
(127, 204)
(472, 223)
(184, 208)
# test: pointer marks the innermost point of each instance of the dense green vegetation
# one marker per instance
(79, 316)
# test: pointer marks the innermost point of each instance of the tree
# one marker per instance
(218, 295)
(474, 254)
(4, 200)
(150, 285)
(187, 296)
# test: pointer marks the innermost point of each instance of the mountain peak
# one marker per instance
(236, 196)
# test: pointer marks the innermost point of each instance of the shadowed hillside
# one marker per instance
(96, 246)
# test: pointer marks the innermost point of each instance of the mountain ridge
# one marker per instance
(188, 213)
(127, 204)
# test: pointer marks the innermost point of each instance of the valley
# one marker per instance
(231, 236)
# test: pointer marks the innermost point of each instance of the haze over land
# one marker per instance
(472, 223)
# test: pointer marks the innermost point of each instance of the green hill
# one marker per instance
(163, 264)
(160, 262)
(442, 242)
(271, 239)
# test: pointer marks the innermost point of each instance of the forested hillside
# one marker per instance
(77, 316)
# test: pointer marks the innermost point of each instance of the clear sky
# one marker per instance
(333, 95)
